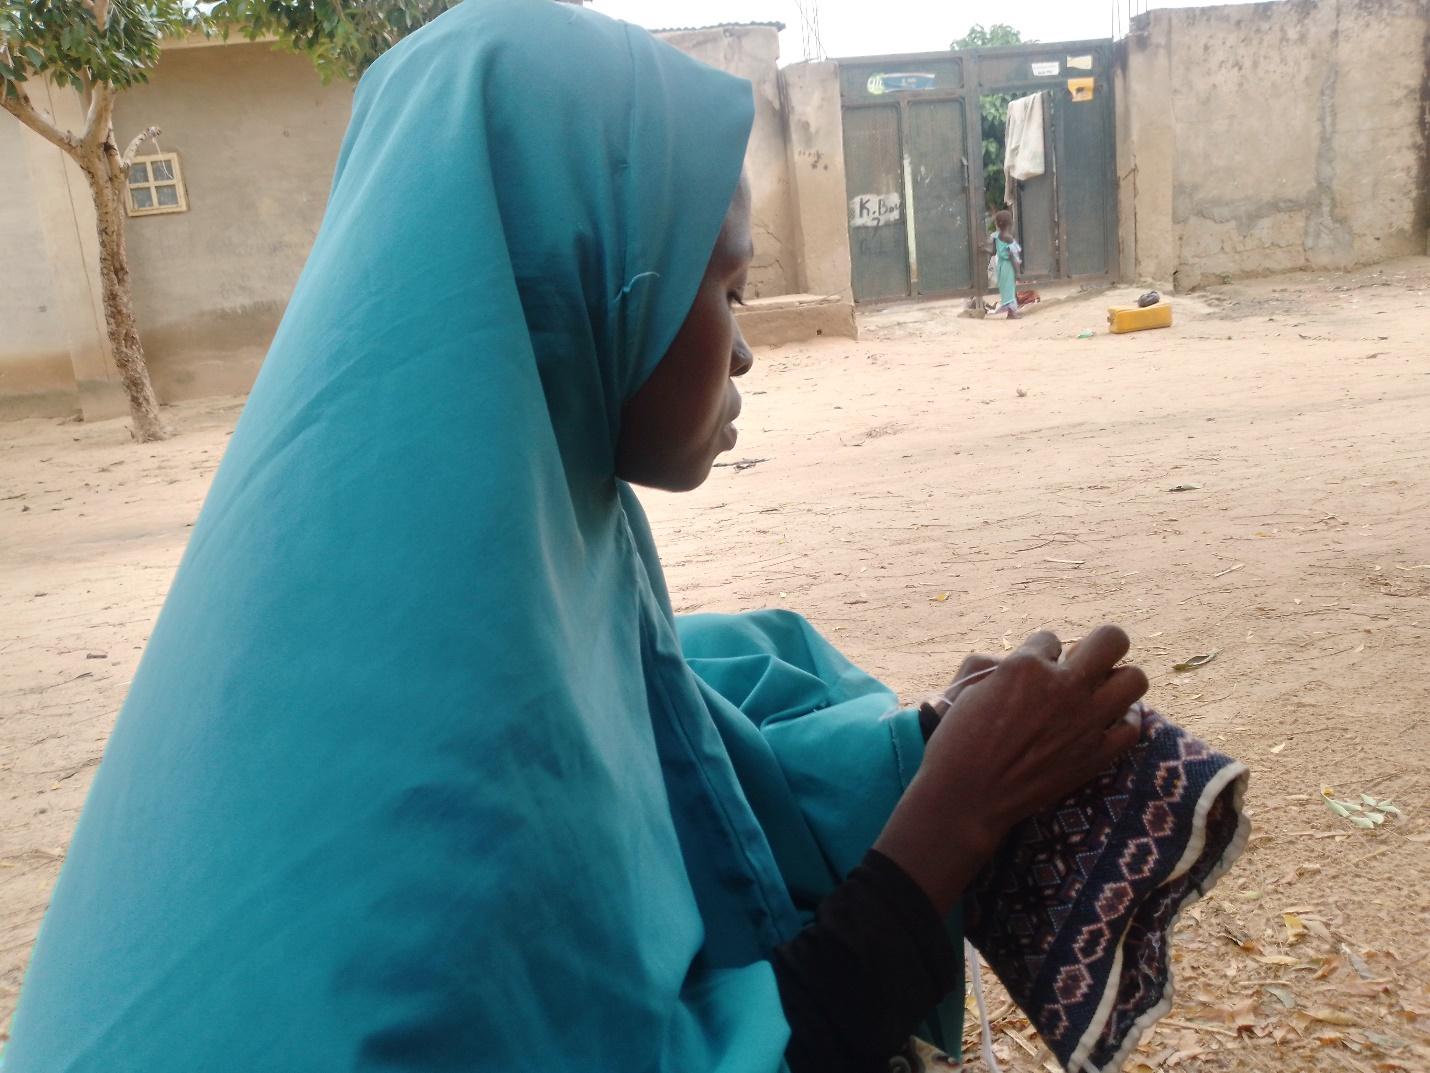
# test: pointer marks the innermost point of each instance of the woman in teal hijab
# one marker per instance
(419, 772)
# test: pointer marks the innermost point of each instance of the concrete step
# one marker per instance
(794, 318)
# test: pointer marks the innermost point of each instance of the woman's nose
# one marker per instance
(742, 359)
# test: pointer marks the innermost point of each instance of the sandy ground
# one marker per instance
(948, 485)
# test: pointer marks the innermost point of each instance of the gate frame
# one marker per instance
(972, 88)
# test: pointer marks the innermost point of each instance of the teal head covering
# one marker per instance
(414, 774)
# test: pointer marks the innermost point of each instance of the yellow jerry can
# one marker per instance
(1136, 319)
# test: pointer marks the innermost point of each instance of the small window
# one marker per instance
(156, 185)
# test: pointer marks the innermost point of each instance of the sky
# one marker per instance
(877, 27)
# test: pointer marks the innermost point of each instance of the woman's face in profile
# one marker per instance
(673, 428)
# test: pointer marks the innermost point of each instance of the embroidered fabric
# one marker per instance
(1076, 910)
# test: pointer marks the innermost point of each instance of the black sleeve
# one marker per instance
(928, 721)
(856, 982)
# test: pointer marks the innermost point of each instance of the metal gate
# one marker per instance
(913, 160)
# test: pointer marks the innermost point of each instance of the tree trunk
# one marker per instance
(108, 193)
(106, 170)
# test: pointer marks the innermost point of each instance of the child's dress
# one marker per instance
(1005, 252)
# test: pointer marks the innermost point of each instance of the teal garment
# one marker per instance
(797, 694)
(414, 774)
(1007, 270)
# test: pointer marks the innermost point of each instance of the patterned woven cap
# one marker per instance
(1075, 912)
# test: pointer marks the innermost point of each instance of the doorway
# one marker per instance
(919, 192)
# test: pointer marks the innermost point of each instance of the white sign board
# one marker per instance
(1046, 70)
(875, 210)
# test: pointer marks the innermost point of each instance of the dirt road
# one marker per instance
(947, 485)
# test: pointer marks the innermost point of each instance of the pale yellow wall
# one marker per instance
(36, 378)
(257, 135)
(54, 355)
(753, 52)
(1146, 154)
(814, 125)
(1274, 137)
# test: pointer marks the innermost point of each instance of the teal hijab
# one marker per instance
(415, 774)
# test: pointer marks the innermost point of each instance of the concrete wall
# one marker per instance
(1272, 137)
(753, 52)
(36, 377)
(814, 129)
(257, 135)
(54, 354)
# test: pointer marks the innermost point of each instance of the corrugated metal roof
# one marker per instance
(718, 26)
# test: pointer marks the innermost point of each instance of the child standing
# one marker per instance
(1009, 257)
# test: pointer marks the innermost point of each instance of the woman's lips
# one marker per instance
(732, 434)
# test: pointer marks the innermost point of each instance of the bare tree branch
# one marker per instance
(143, 136)
(26, 111)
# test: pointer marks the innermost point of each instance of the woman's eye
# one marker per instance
(736, 299)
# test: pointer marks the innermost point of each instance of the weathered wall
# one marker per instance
(1146, 154)
(753, 52)
(814, 129)
(54, 355)
(1273, 137)
(257, 135)
(36, 378)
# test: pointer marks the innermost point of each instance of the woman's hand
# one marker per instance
(1017, 740)
(973, 669)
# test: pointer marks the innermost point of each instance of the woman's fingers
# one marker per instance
(1097, 653)
(1118, 738)
(974, 668)
(978, 665)
(1123, 688)
(973, 665)
(1044, 643)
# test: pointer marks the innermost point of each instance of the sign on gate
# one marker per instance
(902, 82)
(875, 210)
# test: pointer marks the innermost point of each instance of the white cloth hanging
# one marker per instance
(1024, 154)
